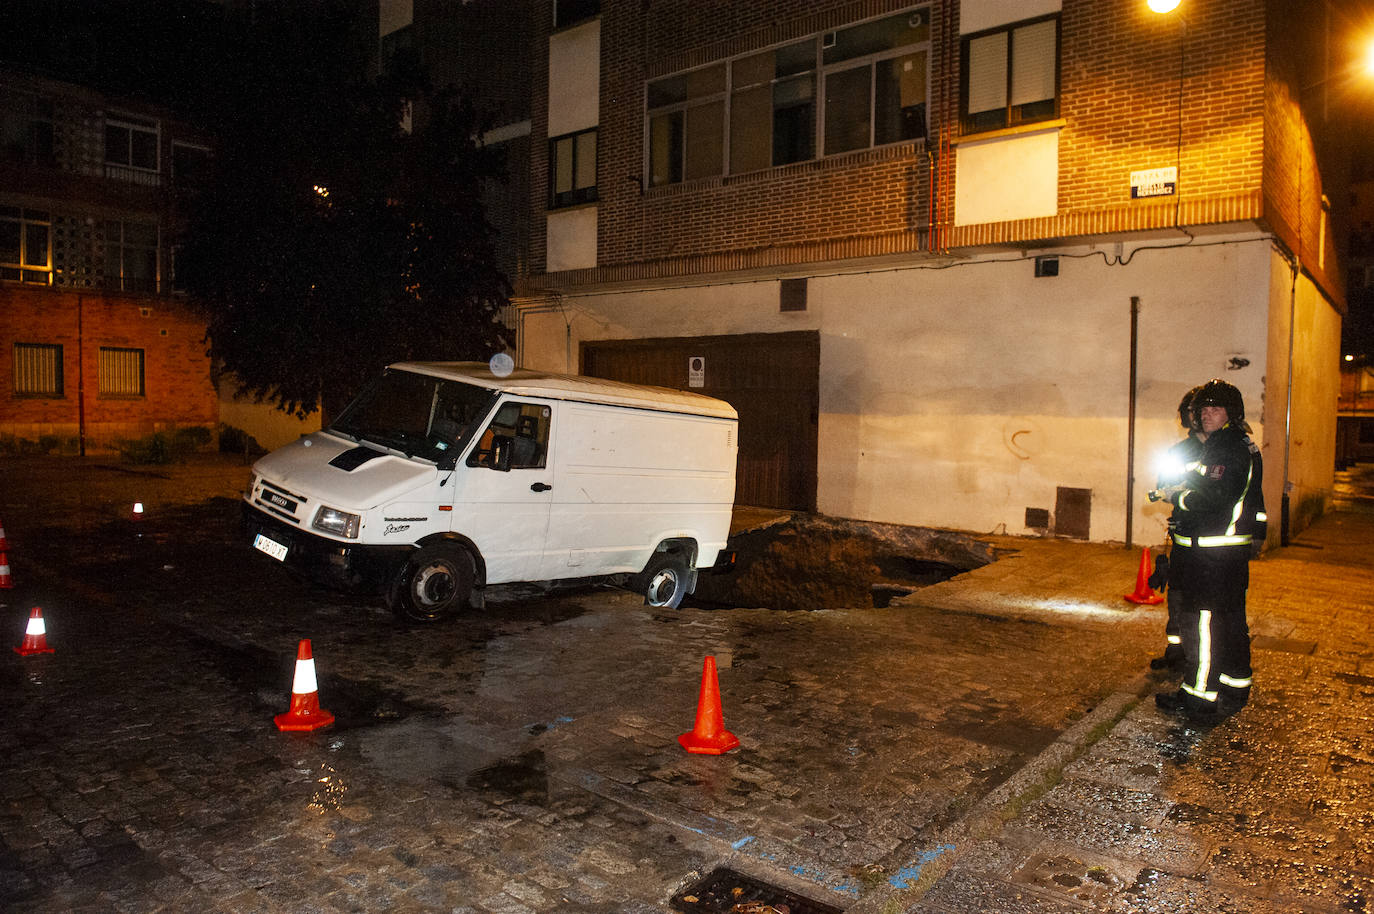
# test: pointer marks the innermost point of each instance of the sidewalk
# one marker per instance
(1135, 811)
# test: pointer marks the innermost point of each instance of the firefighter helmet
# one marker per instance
(1217, 392)
(1185, 409)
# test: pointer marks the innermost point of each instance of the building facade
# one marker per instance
(955, 262)
(96, 344)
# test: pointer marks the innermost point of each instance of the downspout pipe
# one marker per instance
(1288, 409)
(80, 378)
(1130, 420)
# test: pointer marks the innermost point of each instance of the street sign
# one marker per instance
(1154, 182)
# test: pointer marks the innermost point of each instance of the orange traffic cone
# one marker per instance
(4, 543)
(709, 736)
(1143, 593)
(6, 581)
(35, 636)
(305, 712)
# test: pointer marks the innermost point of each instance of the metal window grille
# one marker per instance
(121, 372)
(37, 370)
(131, 256)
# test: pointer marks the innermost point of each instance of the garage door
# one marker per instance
(772, 379)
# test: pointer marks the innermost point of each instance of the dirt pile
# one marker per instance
(806, 561)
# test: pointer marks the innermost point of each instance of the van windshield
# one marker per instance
(418, 415)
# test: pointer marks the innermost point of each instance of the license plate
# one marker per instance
(270, 546)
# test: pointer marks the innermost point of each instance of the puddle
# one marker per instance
(269, 676)
(524, 777)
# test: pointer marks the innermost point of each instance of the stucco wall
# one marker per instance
(960, 397)
(1304, 441)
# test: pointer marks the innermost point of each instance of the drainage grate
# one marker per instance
(725, 891)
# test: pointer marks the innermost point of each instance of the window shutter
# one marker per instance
(987, 78)
(1033, 62)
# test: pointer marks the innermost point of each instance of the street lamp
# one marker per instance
(1163, 6)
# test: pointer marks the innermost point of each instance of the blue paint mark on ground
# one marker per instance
(742, 841)
(908, 874)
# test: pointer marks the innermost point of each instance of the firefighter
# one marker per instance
(1172, 566)
(1220, 510)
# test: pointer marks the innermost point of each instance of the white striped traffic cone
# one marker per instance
(35, 636)
(305, 712)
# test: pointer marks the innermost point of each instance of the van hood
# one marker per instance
(336, 472)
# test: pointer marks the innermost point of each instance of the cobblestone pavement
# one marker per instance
(979, 745)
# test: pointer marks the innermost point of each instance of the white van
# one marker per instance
(442, 478)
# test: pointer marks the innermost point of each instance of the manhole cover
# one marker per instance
(724, 891)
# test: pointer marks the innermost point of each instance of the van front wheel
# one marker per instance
(435, 583)
(665, 580)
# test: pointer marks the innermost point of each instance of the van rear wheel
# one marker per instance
(434, 584)
(665, 580)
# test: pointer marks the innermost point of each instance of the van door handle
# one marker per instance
(540, 487)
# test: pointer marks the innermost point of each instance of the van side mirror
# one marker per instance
(500, 452)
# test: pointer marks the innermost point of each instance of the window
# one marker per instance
(872, 79)
(572, 169)
(773, 107)
(121, 372)
(392, 43)
(523, 428)
(37, 370)
(1011, 75)
(875, 82)
(190, 165)
(571, 12)
(25, 245)
(687, 126)
(131, 149)
(26, 129)
(131, 256)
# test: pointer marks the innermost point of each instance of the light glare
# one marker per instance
(1163, 6)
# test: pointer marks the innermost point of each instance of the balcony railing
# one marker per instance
(133, 175)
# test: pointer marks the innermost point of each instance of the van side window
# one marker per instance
(527, 425)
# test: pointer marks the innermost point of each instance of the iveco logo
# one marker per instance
(276, 499)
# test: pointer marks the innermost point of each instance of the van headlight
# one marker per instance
(339, 523)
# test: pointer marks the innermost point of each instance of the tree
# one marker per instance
(332, 241)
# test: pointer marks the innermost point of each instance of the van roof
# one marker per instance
(529, 383)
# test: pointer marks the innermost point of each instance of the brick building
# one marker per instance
(955, 262)
(96, 345)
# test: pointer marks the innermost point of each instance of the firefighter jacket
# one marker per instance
(1177, 461)
(1221, 503)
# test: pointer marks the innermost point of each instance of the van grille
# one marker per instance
(281, 502)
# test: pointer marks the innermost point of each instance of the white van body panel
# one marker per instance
(624, 469)
(628, 477)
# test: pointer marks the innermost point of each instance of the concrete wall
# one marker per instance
(960, 397)
(269, 426)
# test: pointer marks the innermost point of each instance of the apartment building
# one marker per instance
(956, 261)
(96, 343)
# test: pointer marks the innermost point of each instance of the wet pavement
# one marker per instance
(982, 744)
